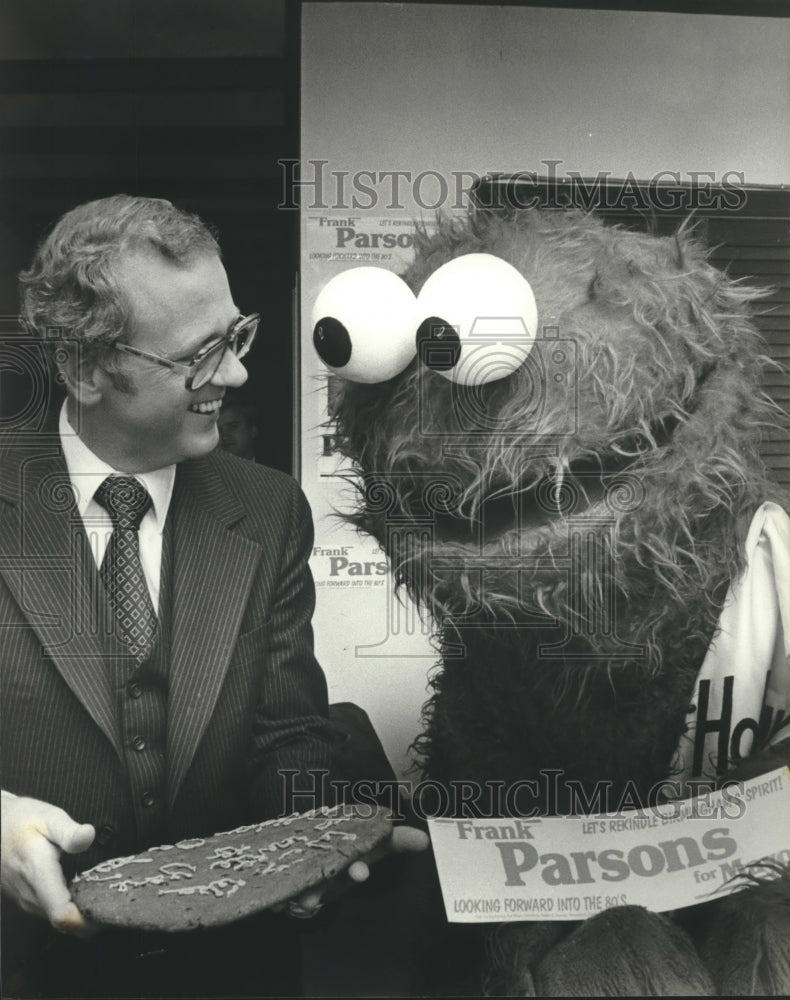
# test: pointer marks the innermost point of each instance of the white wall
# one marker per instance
(435, 86)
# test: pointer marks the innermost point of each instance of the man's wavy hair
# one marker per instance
(70, 294)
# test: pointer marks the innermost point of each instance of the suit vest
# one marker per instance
(141, 695)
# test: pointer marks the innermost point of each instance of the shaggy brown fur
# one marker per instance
(573, 529)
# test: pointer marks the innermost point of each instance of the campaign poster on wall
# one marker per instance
(372, 642)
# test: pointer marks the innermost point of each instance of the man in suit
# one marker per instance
(155, 604)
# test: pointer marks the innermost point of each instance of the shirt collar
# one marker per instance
(87, 472)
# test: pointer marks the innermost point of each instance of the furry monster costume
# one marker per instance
(573, 515)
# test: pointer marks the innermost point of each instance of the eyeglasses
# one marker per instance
(204, 366)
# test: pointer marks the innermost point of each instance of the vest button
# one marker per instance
(135, 689)
(138, 743)
(105, 834)
(148, 799)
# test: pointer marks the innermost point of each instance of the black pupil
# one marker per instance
(438, 344)
(332, 342)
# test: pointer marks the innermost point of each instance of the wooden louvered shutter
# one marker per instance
(754, 244)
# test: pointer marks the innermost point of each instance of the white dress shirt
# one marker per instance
(87, 472)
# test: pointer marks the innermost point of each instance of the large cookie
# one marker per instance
(211, 881)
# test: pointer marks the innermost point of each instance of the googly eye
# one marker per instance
(363, 324)
(476, 319)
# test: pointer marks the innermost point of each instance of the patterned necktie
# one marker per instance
(126, 501)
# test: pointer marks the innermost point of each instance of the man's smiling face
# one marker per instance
(176, 311)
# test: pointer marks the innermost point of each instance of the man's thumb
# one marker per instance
(69, 836)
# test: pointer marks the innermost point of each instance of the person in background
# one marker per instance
(238, 426)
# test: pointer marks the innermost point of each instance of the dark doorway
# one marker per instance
(191, 101)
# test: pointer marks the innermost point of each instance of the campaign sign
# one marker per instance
(569, 868)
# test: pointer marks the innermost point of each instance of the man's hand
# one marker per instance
(34, 834)
(404, 840)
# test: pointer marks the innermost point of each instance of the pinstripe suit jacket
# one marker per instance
(246, 696)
